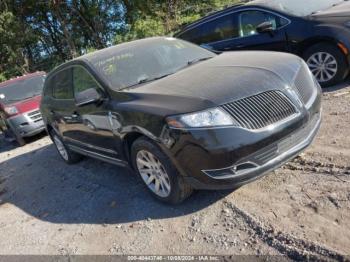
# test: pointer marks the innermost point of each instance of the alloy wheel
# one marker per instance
(323, 65)
(60, 147)
(153, 173)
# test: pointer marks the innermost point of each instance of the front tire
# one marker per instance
(11, 136)
(327, 63)
(67, 155)
(158, 173)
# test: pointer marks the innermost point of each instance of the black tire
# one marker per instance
(20, 140)
(10, 133)
(71, 157)
(332, 49)
(179, 189)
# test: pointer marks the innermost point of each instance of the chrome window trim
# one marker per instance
(238, 11)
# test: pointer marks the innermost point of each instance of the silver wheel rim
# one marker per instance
(153, 173)
(323, 65)
(60, 147)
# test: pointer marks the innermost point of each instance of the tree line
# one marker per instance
(39, 35)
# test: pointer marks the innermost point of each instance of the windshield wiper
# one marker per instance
(191, 62)
(147, 80)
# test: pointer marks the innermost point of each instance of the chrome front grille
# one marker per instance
(260, 110)
(272, 151)
(35, 116)
(304, 85)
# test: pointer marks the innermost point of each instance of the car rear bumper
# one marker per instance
(248, 169)
(27, 124)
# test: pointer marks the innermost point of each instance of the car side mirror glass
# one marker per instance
(265, 27)
(88, 96)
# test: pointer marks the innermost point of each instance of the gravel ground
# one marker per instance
(301, 210)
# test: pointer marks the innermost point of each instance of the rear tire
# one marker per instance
(327, 62)
(152, 164)
(66, 154)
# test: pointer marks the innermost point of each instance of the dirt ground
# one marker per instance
(301, 210)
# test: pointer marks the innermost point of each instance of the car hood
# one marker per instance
(342, 10)
(27, 105)
(225, 78)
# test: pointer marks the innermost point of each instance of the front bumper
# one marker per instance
(27, 124)
(274, 156)
(224, 158)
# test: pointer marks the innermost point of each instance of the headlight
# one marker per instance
(11, 110)
(208, 118)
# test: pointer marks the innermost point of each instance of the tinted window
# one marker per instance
(62, 84)
(220, 29)
(48, 87)
(82, 80)
(216, 30)
(194, 35)
(249, 21)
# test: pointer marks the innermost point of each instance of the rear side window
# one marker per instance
(193, 35)
(62, 84)
(222, 28)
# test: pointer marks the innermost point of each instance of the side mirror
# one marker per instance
(88, 96)
(265, 27)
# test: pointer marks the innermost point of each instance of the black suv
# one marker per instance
(316, 30)
(182, 116)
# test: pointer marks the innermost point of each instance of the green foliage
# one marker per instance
(39, 35)
(152, 18)
(10, 51)
(141, 28)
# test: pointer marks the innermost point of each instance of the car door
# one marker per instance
(62, 103)
(92, 130)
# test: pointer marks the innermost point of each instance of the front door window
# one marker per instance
(250, 20)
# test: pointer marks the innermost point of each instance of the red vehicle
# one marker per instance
(20, 98)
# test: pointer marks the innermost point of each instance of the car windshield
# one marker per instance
(299, 7)
(134, 63)
(22, 89)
